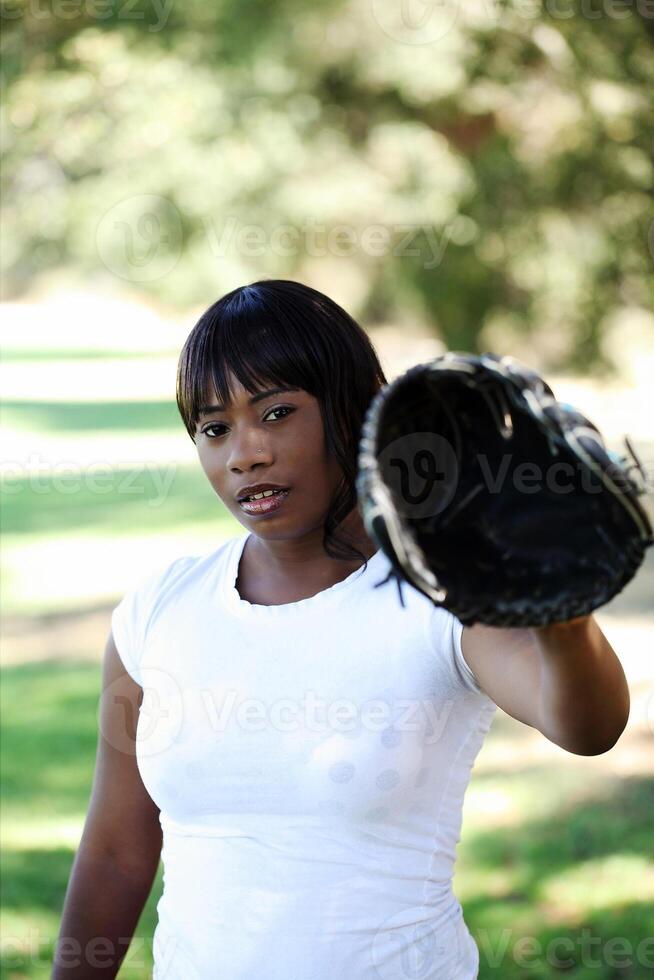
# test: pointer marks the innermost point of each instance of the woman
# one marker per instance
(304, 742)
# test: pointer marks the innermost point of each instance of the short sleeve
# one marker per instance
(131, 617)
(445, 632)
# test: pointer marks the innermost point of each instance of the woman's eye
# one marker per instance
(218, 425)
(210, 428)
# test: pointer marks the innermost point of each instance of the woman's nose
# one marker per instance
(247, 450)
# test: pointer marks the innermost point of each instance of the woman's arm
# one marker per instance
(119, 852)
(101, 912)
(565, 680)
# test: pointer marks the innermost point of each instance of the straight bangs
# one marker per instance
(242, 340)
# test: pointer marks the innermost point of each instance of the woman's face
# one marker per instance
(288, 429)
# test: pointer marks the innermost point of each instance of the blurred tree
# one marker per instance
(485, 168)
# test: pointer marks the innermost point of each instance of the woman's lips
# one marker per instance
(266, 505)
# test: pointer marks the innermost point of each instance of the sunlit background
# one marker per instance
(469, 177)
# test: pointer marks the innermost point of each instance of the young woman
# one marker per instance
(304, 742)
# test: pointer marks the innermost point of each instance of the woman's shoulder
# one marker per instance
(168, 572)
(200, 562)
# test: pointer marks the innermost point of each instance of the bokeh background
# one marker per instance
(459, 176)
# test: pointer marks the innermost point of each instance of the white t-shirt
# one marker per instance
(309, 761)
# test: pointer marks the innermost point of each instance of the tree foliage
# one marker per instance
(484, 168)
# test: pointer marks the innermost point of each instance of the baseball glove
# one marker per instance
(494, 499)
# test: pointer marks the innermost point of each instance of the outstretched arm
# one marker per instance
(564, 680)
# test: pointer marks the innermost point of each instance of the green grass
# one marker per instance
(149, 497)
(97, 416)
(547, 852)
(49, 738)
(10, 355)
(573, 866)
(50, 533)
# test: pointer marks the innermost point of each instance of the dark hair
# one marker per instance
(281, 331)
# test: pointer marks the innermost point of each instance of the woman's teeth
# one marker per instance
(265, 493)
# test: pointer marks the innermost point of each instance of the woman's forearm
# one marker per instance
(584, 691)
(101, 910)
